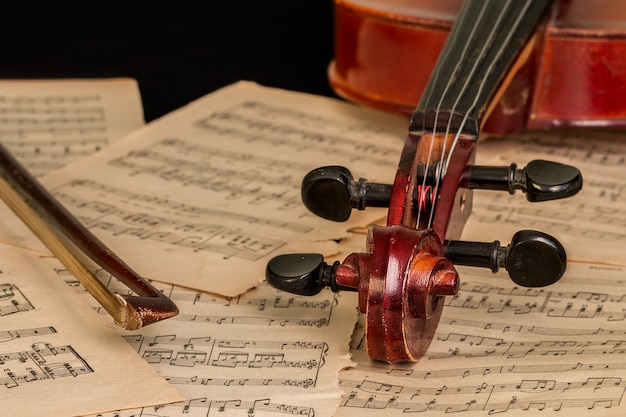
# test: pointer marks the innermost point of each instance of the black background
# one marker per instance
(177, 53)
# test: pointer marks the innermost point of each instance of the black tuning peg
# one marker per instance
(532, 259)
(302, 274)
(540, 180)
(331, 193)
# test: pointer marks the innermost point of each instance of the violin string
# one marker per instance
(440, 172)
(422, 194)
(443, 168)
(499, 53)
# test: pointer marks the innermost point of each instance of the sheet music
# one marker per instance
(264, 352)
(47, 124)
(58, 357)
(205, 196)
(499, 349)
(591, 225)
(502, 349)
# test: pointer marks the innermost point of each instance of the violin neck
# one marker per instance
(483, 42)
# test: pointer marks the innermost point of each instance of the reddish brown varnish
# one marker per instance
(574, 77)
(385, 53)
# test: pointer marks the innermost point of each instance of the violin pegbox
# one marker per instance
(407, 269)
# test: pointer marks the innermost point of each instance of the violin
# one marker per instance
(573, 73)
(408, 266)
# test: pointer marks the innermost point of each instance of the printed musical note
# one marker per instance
(12, 300)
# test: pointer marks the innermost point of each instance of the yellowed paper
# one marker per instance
(500, 349)
(591, 225)
(205, 196)
(262, 351)
(47, 124)
(505, 350)
(58, 357)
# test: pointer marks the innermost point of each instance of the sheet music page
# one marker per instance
(591, 225)
(205, 196)
(502, 349)
(264, 352)
(58, 357)
(47, 124)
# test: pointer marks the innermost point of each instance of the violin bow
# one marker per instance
(408, 265)
(75, 247)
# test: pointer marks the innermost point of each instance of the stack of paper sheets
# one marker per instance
(199, 200)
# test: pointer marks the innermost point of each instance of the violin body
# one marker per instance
(573, 74)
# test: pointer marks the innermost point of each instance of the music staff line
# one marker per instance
(145, 342)
(529, 329)
(279, 134)
(464, 345)
(299, 361)
(268, 111)
(472, 346)
(44, 137)
(586, 233)
(206, 407)
(9, 335)
(49, 100)
(51, 117)
(195, 236)
(602, 151)
(70, 194)
(480, 371)
(604, 215)
(574, 305)
(243, 183)
(241, 382)
(606, 392)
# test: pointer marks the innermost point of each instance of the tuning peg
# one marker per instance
(532, 259)
(302, 274)
(331, 193)
(540, 180)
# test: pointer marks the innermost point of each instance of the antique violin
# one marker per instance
(572, 75)
(408, 266)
